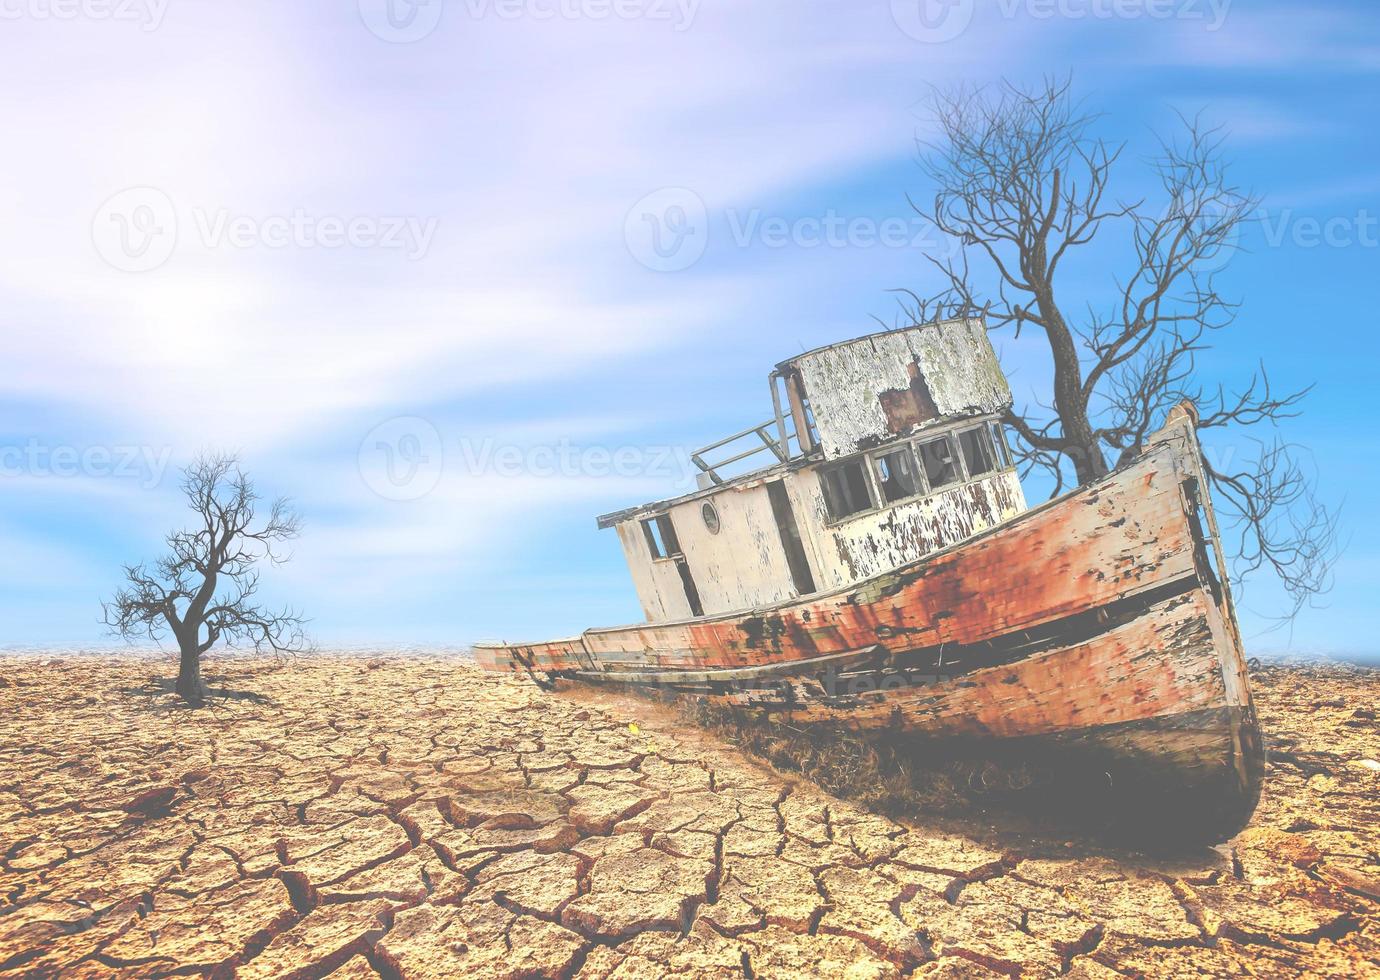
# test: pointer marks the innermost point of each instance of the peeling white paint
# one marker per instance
(843, 382)
(879, 541)
(744, 566)
(864, 393)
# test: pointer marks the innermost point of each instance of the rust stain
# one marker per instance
(1164, 660)
(905, 408)
(1043, 566)
(1097, 616)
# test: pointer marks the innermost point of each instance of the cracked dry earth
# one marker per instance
(413, 817)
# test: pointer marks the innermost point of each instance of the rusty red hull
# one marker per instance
(1101, 620)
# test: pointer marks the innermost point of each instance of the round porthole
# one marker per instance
(711, 517)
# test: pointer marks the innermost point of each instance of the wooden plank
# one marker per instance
(791, 668)
(1163, 662)
(1127, 534)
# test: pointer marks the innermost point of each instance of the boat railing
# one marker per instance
(758, 439)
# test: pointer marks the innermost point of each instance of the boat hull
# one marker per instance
(1099, 625)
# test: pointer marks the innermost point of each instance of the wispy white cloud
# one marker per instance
(525, 143)
(31, 561)
(527, 182)
(1245, 120)
(1275, 36)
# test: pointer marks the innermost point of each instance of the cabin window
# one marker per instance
(661, 536)
(845, 489)
(941, 465)
(999, 440)
(978, 453)
(897, 475)
(711, 517)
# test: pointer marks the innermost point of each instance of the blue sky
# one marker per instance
(319, 235)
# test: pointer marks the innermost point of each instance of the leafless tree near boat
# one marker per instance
(1022, 185)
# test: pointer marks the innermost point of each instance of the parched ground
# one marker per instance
(412, 817)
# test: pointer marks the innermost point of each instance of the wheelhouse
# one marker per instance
(880, 451)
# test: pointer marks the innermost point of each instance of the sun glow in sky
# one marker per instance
(398, 255)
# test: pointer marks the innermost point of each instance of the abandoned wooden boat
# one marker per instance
(884, 573)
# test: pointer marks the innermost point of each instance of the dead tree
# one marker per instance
(1021, 187)
(203, 591)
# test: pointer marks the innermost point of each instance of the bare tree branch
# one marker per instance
(1020, 184)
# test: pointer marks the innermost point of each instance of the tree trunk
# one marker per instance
(190, 686)
(1082, 448)
(1089, 463)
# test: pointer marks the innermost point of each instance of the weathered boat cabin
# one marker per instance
(880, 451)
